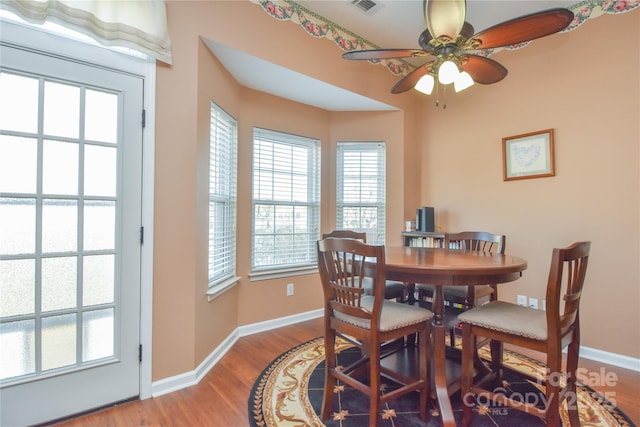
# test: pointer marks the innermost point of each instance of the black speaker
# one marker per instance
(425, 219)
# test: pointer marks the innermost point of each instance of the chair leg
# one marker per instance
(552, 394)
(496, 348)
(374, 383)
(468, 350)
(424, 350)
(571, 393)
(329, 379)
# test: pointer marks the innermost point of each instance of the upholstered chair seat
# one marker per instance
(394, 315)
(507, 317)
(392, 289)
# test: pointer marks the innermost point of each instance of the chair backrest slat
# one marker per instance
(477, 241)
(564, 287)
(347, 234)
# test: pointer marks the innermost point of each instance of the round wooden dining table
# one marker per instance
(448, 267)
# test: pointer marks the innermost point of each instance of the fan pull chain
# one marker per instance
(444, 89)
(444, 106)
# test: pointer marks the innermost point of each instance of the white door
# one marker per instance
(70, 215)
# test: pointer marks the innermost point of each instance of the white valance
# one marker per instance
(136, 24)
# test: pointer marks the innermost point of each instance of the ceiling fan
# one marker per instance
(449, 42)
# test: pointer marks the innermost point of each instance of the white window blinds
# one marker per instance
(222, 196)
(286, 200)
(361, 185)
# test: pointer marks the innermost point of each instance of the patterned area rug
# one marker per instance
(289, 394)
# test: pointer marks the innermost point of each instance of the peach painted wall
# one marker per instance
(186, 327)
(585, 85)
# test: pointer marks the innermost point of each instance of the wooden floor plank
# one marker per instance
(221, 398)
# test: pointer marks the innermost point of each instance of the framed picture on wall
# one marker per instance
(529, 155)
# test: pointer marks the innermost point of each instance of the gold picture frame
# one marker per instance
(529, 155)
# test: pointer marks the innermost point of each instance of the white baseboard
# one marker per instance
(615, 359)
(187, 379)
(278, 323)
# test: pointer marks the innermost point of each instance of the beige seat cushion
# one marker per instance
(457, 292)
(394, 315)
(460, 292)
(392, 289)
(506, 317)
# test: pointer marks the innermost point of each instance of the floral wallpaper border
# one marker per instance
(320, 27)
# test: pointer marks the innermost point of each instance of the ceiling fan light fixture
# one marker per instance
(447, 72)
(462, 81)
(425, 84)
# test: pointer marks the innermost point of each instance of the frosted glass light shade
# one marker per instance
(462, 81)
(425, 84)
(447, 72)
(445, 17)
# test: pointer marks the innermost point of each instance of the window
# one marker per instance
(222, 198)
(286, 201)
(360, 192)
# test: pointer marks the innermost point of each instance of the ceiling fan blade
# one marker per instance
(525, 28)
(483, 70)
(410, 80)
(377, 54)
(444, 17)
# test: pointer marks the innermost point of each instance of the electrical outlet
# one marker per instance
(522, 300)
(289, 289)
(533, 303)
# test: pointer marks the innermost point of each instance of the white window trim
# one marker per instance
(219, 285)
(371, 146)
(265, 272)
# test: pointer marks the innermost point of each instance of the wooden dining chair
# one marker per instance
(392, 289)
(371, 320)
(467, 297)
(544, 331)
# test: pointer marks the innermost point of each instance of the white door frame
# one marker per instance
(81, 48)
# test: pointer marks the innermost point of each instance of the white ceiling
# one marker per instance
(389, 24)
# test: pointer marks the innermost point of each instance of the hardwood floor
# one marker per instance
(221, 398)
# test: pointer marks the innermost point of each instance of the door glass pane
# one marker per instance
(100, 171)
(59, 278)
(17, 287)
(61, 110)
(17, 226)
(60, 168)
(18, 348)
(59, 225)
(97, 334)
(98, 285)
(18, 103)
(58, 341)
(101, 116)
(18, 164)
(99, 225)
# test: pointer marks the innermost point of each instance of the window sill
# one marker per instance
(256, 276)
(222, 287)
